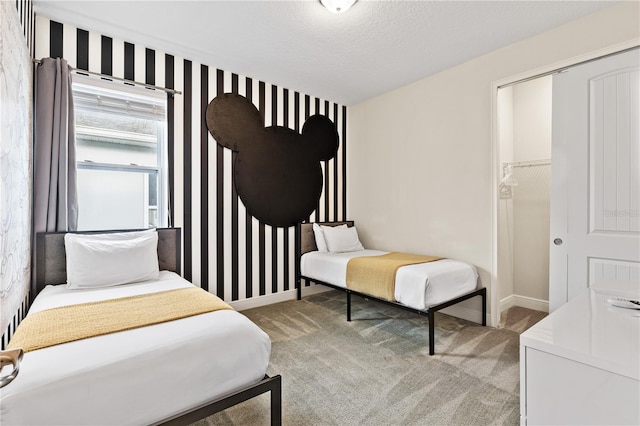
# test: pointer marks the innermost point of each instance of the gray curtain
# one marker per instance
(54, 189)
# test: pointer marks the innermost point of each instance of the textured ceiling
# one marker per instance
(374, 47)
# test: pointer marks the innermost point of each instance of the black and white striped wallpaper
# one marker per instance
(15, 322)
(27, 21)
(225, 250)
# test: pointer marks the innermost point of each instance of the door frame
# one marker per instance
(496, 168)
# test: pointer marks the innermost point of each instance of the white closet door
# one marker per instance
(595, 179)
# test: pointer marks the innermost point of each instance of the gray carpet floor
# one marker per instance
(376, 369)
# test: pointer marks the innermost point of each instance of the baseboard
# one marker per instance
(269, 299)
(525, 302)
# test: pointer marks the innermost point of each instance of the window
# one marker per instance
(120, 152)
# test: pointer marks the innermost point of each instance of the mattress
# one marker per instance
(138, 376)
(417, 286)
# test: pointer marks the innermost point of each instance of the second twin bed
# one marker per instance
(421, 287)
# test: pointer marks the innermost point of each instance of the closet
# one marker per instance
(523, 224)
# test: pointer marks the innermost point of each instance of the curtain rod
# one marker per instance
(122, 80)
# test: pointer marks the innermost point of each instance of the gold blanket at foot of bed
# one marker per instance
(75, 322)
(376, 275)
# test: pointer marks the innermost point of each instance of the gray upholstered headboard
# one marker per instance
(51, 267)
(308, 241)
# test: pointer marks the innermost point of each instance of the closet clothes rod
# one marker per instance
(528, 163)
(121, 80)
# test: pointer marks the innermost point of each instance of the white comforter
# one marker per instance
(418, 286)
(137, 376)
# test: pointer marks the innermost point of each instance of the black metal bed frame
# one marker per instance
(267, 384)
(430, 313)
(51, 269)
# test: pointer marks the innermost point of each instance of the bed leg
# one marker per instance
(348, 306)
(276, 403)
(484, 307)
(432, 337)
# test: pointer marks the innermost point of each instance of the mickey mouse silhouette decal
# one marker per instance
(277, 171)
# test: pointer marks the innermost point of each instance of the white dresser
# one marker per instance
(581, 364)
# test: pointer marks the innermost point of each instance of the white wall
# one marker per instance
(419, 158)
(532, 120)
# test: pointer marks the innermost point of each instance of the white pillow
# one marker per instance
(109, 236)
(318, 234)
(103, 260)
(342, 239)
(321, 243)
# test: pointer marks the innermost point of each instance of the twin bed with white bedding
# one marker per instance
(417, 286)
(171, 372)
(424, 288)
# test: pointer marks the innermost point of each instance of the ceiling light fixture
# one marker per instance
(338, 6)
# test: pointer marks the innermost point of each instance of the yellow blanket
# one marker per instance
(376, 275)
(70, 323)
